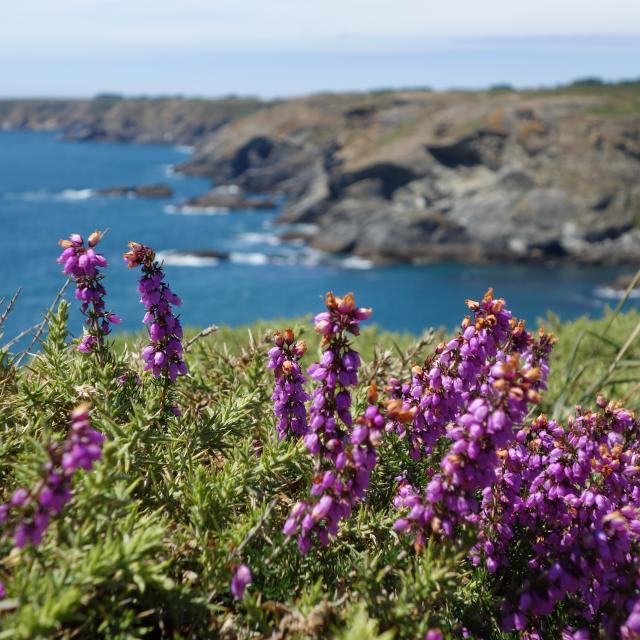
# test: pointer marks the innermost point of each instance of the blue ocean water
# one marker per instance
(44, 196)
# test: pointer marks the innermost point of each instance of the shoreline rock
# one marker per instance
(140, 191)
(228, 198)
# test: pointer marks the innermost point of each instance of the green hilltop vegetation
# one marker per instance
(148, 545)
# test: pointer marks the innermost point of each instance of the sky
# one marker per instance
(287, 47)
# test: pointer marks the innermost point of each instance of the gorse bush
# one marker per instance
(214, 486)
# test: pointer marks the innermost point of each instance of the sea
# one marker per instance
(47, 192)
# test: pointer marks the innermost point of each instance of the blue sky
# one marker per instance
(287, 47)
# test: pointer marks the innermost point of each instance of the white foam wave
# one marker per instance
(355, 262)
(77, 194)
(254, 259)
(610, 293)
(196, 211)
(170, 171)
(228, 188)
(176, 259)
(184, 148)
(308, 258)
(49, 196)
(260, 238)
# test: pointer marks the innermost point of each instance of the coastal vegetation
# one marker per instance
(309, 479)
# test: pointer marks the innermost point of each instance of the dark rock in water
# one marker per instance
(193, 258)
(142, 191)
(225, 198)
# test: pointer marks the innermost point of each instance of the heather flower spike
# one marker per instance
(29, 511)
(344, 455)
(83, 264)
(164, 355)
(289, 396)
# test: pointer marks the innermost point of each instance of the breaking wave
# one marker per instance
(179, 259)
(611, 293)
(71, 195)
(172, 209)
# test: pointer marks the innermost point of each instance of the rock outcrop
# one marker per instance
(419, 176)
(141, 191)
(229, 198)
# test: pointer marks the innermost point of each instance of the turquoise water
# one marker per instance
(44, 196)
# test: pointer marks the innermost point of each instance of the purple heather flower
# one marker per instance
(330, 415)
(344, 456)
(474, 391)
(289, 396)
(83, 264)
(30, 511)
(241, 578)
(572, 494)
(631, 627)
(164, 355)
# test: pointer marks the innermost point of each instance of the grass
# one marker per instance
(148, 545)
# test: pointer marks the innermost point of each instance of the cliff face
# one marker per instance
(112, 119)
(429, 176)
(415, 176)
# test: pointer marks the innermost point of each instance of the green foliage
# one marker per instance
(149, 543)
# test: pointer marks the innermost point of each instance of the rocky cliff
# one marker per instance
(422, 176)
(419, 176)
(114, 119)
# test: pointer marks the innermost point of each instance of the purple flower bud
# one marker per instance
(241, 578)
(321, 509)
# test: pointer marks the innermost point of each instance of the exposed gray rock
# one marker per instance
(311, 188)
(141, 191)
(229, 198)
(482, 147)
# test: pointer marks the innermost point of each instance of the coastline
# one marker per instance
(402, 177)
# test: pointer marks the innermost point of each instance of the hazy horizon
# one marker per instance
(79, 48)
(453, 64)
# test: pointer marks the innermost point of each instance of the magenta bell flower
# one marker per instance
(289, 396)
(164, 355)
(573, 492)
(30, 510)
(344, 456)
(83, 264)
(475, 391)
(241, 579)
